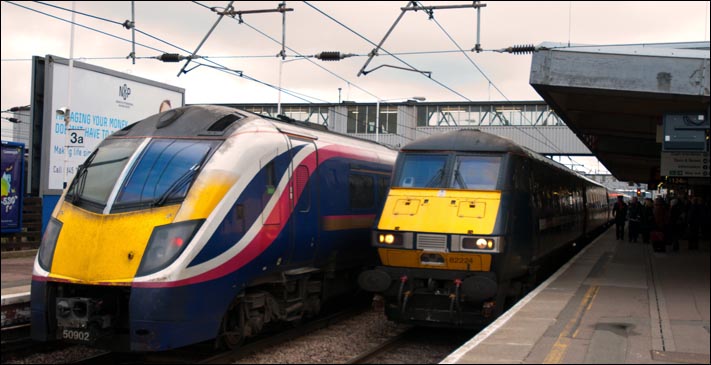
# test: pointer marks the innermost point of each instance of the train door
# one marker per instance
(304, 196)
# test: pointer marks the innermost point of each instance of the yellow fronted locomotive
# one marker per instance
(468, 223)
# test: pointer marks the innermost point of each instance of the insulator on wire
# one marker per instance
(521, 49)
(170, 57)
(330, 56)
(333, 55)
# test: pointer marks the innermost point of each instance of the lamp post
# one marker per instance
(377, 112)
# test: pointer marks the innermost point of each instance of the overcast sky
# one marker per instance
(241, 47)
(26, 33)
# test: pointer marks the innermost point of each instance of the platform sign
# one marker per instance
(685, 164)
(76, 137)
(12, 186)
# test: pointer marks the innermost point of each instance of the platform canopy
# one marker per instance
(614, 97)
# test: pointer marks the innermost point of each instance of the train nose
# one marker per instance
(376, 281)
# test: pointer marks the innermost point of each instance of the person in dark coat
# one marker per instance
(619, 211)
(647, 223)
(634, 215)
(660, 225)
(675, 223)
(695, 217)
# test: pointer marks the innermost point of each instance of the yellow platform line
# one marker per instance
(556, 354)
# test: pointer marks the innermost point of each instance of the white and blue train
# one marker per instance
(203, 223)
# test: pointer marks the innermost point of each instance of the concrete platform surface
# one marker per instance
(16, 274)
(615, 302)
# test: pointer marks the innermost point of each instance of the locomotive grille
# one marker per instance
(432, 242)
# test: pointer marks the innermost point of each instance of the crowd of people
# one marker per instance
(662, 222)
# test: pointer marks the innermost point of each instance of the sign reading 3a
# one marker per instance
(76, 137)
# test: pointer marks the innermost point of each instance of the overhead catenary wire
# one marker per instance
(82, 26)
(219, 19)
(549, 142)
(242, 21)
(308, 59)
(512, 49)
(218, 66)
(383, 49)
(294, 56)
(221, 68)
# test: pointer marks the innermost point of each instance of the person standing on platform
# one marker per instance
(675, 226)
(695, 217)
(660, 225)
(634, 215)
(619, 211)
(647, 223)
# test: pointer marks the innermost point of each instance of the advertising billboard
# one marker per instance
(97, 101)
(12, 164)
(102, 102)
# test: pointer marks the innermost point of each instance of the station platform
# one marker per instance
(17, 271)
(615, 302)
(16, 277)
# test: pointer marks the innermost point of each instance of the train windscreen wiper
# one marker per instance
(436, 180)
(79, 181)
(459, 179)
(182, 180)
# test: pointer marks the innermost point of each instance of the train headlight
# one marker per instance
(489, 244)
(49, 243)
(390, 239)
(166, 244)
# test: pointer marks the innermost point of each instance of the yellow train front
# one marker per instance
(469, 221)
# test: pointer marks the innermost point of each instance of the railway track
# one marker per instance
(204, 353)
(417, 345)
(259, 345)
(365, 357)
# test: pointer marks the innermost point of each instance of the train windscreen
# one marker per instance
(467, 172)
(97, 177)
(421, 171)
(164, 172)
(476, 172)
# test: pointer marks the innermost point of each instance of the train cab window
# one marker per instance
(164, 172)
(271, 178)
(97, 177)
(362, 191)
(421, 171)
(476, 172)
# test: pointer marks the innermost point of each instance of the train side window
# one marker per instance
(361, 190)
(239, 219)
(383, 185)
(271, 177)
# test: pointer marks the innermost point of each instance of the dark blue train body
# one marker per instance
(268, 224)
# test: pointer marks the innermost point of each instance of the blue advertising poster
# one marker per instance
(13, 186)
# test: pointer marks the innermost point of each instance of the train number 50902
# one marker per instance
(75, 335)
